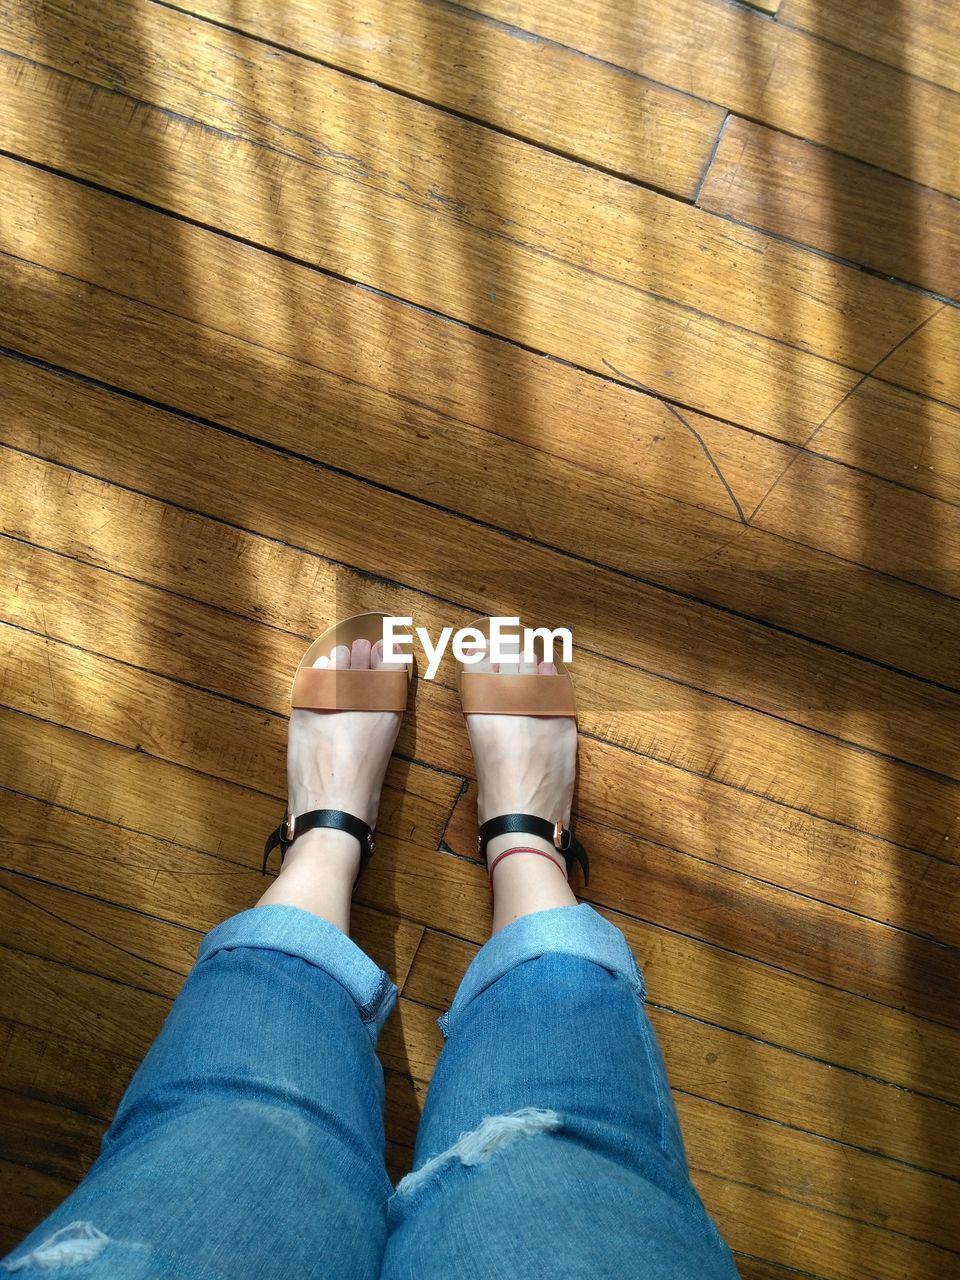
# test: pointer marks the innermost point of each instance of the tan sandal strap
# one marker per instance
(488, 693)
(332, 689)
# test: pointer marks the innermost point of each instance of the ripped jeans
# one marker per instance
(250, 1141)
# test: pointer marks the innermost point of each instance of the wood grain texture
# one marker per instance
(383, 345)
(929, 362)
(921, 37)
(903, 435)
(798, 497)
(668, 260)
(767, 72)
(672, 544)
(677, 546)
(627, 124)
(817, 197)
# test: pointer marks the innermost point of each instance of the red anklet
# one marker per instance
(521, 849)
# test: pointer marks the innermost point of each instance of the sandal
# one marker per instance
(340, 689)
(490, 693)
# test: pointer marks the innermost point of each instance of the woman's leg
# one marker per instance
(250, 1141)
(549, 1145)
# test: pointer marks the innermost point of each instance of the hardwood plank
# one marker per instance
(758, 1223)
(632, 126)
(384, 346)
(921, 37)
(817, 197)
(145, 951)
(929, 362)
(677, 544)
(83, 1007)
(121, 791)
(912, 722)
(760, 1269)
(91, 936)
(860, 1187)
(39, 424)
(26, 1197)
(193, 728)
(405, 1095)
(588, 219)
(590, 241)
(56, 318)
(52, 1140)
(925, 551)
(734, 1070)
(171, 897)
(738, 909)
(905, 436)
(43, 1066)
(636, 710)
(665, 540)
(768, 72)
(47, 1151)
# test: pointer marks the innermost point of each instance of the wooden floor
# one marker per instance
(637, 318)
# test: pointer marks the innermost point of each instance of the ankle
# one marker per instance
(333, 853)
(501, 844)
(523, 884)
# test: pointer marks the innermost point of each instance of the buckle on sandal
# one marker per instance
(561, 837)
(289, 828)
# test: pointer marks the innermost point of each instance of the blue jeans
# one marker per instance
(250, 1141)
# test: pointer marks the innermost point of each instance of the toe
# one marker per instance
(483, 663)
(341, 656)
(378, 661)
(527, 668)
(360, 655)
(512, 663)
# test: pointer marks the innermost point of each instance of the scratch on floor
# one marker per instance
(693, 431)
(802, 448)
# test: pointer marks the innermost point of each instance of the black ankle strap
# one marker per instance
(291, 827)
(560, 836)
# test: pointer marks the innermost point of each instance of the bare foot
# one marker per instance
(525, 764)
(335, 760)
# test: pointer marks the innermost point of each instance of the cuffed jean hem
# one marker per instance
(577, 931)
(276, 927)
